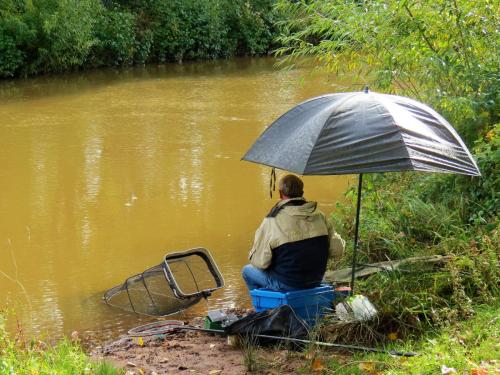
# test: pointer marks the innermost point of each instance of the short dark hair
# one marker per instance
(291, 186)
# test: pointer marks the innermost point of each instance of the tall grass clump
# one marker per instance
(250, 349)
(20, 356)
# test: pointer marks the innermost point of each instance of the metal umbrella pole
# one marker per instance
(356, 232)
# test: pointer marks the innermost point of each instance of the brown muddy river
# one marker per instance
(104, 172)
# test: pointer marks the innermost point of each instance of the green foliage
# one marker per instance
(479, 198)
(11, 58)
(410, 213)
(14, 33)
(416, 214)
(186, 29)
(36, 357)
(65, 33)
(441, 52)
(251, 26)
(57, 35)
(115, 35)
(468, 347)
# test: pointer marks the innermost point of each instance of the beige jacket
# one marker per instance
(285, 228)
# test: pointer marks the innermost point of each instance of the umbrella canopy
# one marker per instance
(362, 132)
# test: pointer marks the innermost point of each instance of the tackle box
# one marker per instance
(309, 304)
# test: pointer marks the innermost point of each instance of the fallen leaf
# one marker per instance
(393, 336)
(131, 364)
(212, 346)
(367, 367)
(317, 365)
(140, 341)
(310, 355)
(214, 372)
(479, 371)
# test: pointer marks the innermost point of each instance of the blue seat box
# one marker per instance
(309, 304)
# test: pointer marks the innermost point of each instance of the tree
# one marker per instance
(443, 52)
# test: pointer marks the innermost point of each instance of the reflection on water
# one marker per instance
(104, 172)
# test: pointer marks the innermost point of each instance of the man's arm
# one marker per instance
(260, 255)
(337, 244)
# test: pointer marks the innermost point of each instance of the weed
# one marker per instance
(251, 359)
(19, 356)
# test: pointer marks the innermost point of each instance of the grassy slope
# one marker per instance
(35, 357)
(469, 346)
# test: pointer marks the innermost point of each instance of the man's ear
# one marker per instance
(281, 194)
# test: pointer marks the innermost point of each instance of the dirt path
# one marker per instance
(181, 353)
(201, 353)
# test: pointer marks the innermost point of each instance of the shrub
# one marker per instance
(58, 35)
(11, 58)
(115, 39)
(65, 33)
(14, 36)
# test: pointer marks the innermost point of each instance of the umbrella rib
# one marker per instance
(341, 102)
(388, 104)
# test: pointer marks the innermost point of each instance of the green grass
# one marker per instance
(465, 346)
(34, 357)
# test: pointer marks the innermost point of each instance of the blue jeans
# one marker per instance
(257, 278)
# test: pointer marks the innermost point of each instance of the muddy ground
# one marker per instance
(188, 352)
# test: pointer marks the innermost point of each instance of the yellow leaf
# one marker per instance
(367, 366)
(140, 341)
(393, 336)
(215, 372)
(317, 365)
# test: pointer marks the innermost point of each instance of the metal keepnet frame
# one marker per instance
(204, 254)
(160, 290)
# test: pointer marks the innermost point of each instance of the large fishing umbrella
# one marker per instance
(362, 132)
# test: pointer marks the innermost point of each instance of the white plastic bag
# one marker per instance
(354, 308)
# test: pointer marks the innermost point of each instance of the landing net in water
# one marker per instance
(180, 281)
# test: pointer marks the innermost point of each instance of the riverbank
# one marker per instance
(467, 347)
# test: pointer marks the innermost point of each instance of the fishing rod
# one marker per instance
(302, 341)
(173, 327)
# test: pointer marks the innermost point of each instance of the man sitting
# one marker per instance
(293, 243)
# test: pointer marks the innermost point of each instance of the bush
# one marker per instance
(65, 33)
(251, 26)
(478, 198)
(116, 42)
(14, 36)
(58, 35)
(11, 58)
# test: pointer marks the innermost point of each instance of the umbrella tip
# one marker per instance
(366, 90)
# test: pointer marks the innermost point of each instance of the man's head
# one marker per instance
(291, 186)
